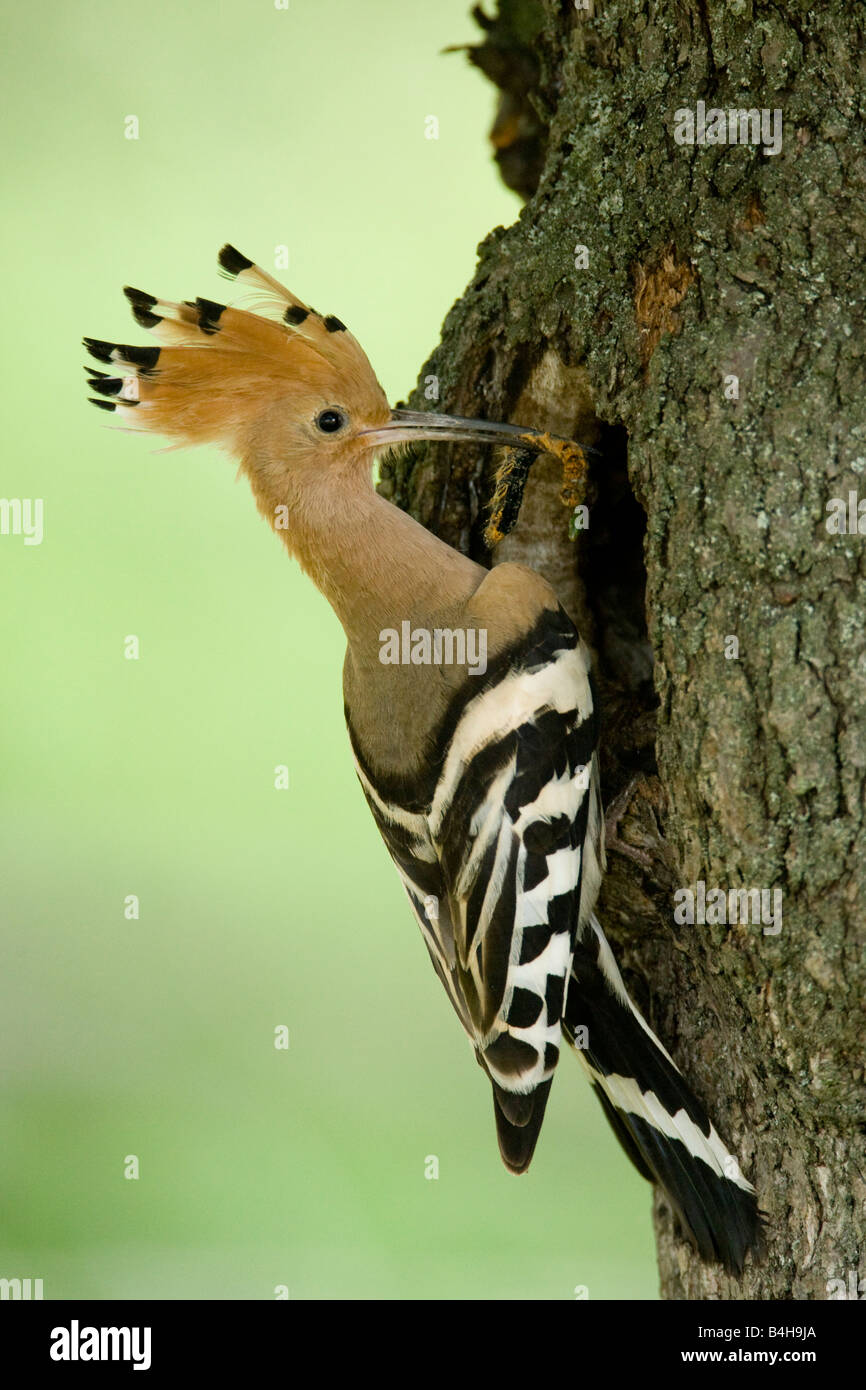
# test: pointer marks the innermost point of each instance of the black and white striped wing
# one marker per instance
(407, 836)
(496, 869)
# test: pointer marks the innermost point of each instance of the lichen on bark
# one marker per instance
(703, 263)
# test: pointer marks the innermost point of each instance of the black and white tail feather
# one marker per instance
(500, 847)
(660, 1124)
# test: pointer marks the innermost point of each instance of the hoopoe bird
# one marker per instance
(483, 782)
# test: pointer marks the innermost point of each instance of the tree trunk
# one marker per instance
(728, 621)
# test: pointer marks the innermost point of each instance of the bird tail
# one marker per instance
(660, 1124)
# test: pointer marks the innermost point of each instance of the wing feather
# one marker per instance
(500, 849)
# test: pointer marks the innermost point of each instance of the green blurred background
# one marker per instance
(155, 777)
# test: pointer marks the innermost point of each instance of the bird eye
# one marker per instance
(329, 421)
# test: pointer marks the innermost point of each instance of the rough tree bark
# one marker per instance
(707, 521)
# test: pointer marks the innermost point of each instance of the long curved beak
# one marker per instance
(522, 448)
(407, 426)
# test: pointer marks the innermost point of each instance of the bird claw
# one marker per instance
(612, 817)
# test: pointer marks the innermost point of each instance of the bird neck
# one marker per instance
(374, 564)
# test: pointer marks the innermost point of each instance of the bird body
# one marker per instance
(483, 782)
